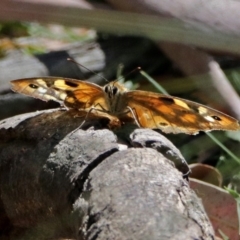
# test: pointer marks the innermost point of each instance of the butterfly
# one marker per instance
(146, 109)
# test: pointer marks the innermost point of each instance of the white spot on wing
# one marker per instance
(202, 110)
(181, 103)
(42, 90)
(62, 95)
(41, 82)
(210, 119)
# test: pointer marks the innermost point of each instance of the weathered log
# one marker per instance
(93, 183)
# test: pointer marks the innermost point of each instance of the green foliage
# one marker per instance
(13, 29)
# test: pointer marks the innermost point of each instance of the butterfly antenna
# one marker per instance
(71, 60)
(134, 70)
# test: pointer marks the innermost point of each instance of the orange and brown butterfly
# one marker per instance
(146, 109)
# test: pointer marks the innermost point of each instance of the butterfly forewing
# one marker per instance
(37, 88)
(73, 93)
(176, 115)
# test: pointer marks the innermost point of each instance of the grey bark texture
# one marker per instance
(59, 181)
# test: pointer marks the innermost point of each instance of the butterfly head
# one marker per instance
(114, 95)
(114, 89)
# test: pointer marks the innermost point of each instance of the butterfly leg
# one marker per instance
(90, 110)
(134, 116)
(86, 117)
(131, 110)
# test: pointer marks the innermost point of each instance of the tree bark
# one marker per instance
(57, 180)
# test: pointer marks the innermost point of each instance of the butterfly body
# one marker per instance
(146, 109)
(115, 98)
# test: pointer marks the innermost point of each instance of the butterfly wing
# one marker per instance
(176, 115)
(73, 93)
